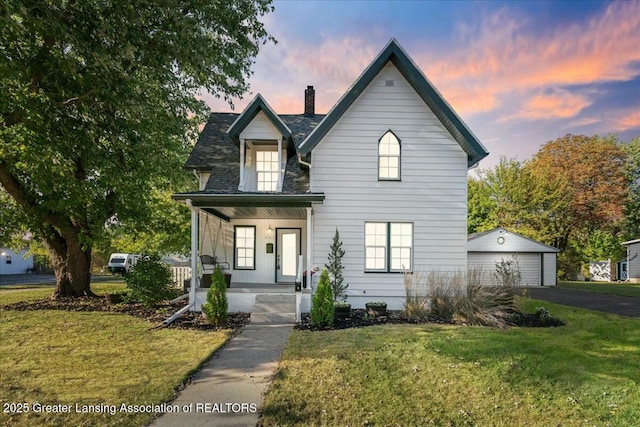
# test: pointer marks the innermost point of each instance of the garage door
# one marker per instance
(529, 264)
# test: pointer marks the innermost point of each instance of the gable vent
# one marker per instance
(388, 82)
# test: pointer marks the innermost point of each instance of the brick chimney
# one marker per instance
(309, 101)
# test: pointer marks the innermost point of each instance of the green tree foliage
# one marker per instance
(322, 307)
(335, 267)
(482, 207)
(573, 195)
(98, 110)
(631, 228)
(150, 281)
(216, 307)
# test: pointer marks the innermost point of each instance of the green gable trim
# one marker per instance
(427, 92)
(250, 112)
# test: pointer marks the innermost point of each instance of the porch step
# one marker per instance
(274, 309)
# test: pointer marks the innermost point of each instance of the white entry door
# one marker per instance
(288, 249)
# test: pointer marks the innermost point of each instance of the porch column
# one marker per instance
(194, 255)
(279, 185)
(241, 185)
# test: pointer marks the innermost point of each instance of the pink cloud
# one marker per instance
(629, 121)
(559, 104)
(501, 60)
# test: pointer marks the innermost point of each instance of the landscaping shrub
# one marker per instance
(508, 272)
(322, 307)
(335, 267)
(150, 281)
(215, 309)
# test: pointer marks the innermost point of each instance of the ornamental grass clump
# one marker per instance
(447, 298)
(215, 309)
(150, 282)
(322, 307)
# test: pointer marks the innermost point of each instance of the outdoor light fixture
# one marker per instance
(269, 230)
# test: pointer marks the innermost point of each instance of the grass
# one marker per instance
(586, 372)
(87, 358)
(625, 289)
(11, 295)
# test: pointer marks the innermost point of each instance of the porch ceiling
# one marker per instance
(237, 212)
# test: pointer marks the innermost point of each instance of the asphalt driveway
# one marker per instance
(622, 305)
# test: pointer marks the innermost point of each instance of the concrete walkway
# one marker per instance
(229, 389)
(617, 304)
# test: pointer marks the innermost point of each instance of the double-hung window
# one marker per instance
(245, 247)
(388, 246)
(389, 157)
(267, 169)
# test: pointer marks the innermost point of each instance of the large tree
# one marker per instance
(98, 106)
(595, 186)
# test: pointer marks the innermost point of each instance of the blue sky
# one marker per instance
(518, 73)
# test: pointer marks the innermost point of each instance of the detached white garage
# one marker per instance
(536, 260)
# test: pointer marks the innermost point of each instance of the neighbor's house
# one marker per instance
(633, 260)
(12, 262)
(387, 167)
(536, 261)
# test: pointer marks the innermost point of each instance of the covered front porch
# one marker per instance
(262, 242)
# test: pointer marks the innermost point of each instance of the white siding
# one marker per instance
(260, 128)
(432, 193)
(530, 267)
(204, 177)
(633, 252)
(18, 263)
(264, 262)
(550, 269)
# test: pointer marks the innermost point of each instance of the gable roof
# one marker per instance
(257, 105)
(427, 92)
(484, 242)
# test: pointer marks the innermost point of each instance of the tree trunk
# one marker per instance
(72, 267)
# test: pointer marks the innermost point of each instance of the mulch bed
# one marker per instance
(155, 315)
(195, 320)
(359, 318)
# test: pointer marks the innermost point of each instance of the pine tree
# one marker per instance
(335, 268)
(215, 309)
(322, 307)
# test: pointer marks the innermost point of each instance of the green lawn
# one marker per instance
(11, 295)
(628, 289)
(584, 373)
(87, 358)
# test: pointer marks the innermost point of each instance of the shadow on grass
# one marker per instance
(591, 344)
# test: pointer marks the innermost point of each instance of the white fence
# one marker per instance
(180, 274)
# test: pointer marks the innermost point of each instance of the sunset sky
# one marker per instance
(518, 73)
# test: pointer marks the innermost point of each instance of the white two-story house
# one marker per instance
(387, 167)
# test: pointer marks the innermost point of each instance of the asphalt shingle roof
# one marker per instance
(217, 153)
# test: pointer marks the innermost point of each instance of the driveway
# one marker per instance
(622, 305)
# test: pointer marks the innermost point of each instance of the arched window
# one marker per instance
(389, 157)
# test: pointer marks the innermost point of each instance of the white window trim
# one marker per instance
(388, 248)
(390, 156)
(277, 171)
(236, 247)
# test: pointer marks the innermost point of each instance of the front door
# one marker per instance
(288, 250)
